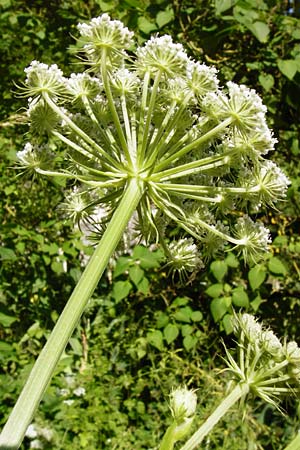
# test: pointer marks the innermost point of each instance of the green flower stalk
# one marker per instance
(150, 136)
(183, 403)
(263, 367)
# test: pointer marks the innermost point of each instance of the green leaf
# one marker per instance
(7, 254)
(232, 261)
(162, 320)
(5, 348)
(255, 304)
(155, 338)
(260, 30)
(164, 17)
(223, 5)
(288, 67)
(121, 290)
(106, 6)
(266, 80)
(276, 266)
(146, 26)
(186, 330)
(6, 321)
(240, 297)
(180, 301)
(136, 274)
(143, 286)
(183, 314)
(219, 307)
(257, 276)
(147, 258)
(190, 342)
(122, 265)
(196, 316)
(216, 290)
(219, 269)
(227, 323)
(171, 332)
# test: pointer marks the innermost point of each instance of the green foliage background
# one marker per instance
(143, 333)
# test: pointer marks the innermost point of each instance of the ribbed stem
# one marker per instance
(295, 444)
(41, 374)
(239, 391)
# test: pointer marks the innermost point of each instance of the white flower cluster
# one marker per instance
(161, 54)
(160, 118)
(104, 36)
(269, 367)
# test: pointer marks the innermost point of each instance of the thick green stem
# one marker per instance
(239, 391)
(21, 416)
(168, 440)
(295, 444)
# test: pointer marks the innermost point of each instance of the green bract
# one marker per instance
(196, 150)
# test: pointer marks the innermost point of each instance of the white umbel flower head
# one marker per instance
(162, 54)
(45, 79)
(104, 35)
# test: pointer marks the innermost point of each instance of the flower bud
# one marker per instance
(183, 402)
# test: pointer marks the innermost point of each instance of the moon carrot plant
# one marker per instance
(147, 135)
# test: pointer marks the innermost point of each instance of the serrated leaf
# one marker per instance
(180, 301)
(122, 265)
(223, 5)
(6, 321)
(143, 286)
(147, 258)
(171, 332)
(232, 261)
(257, 276)
(146, 26)
(288, 67)
(227, 323)
(196, 316)
(162, 320)
(260, 30)
(155, 338)
(183, 314)
(255, 304)
(7, 254)
(121, 290)
(164, 17)
(5, 348)
(276, 266)
(136, 274)
(216, 290)
(219, 269)
(186, 330)
(266, 80)
(190, 342)
(240, 297)
(218, 308)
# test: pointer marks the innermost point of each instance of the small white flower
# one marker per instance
(249, 325)
(272, 344)
(79, 392)
(36, 443)
(183, 403)
(31, 431)
(293, 352)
